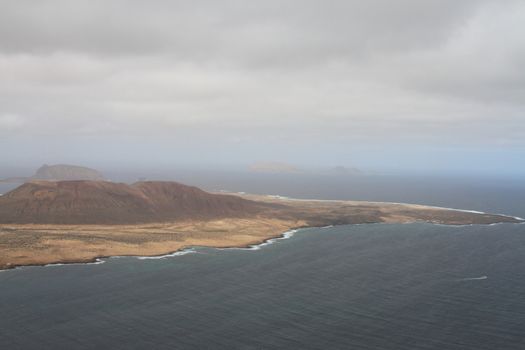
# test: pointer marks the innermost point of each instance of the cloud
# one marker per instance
(345, 73)
(10, 122)
(271, 32)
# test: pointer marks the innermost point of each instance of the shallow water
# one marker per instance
(365, 287)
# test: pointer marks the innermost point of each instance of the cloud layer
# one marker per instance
(289, 79)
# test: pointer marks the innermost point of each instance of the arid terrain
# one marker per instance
(37, 220)
(104, 202)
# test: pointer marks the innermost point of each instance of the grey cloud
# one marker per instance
(259, 72)
(233, 29)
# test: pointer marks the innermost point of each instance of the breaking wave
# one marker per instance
(474, 278)
(177, 253)
(285, 235)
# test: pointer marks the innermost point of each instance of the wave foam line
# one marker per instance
(177, 253)
(276, 196)
(480, 212)
(454, 209)
(285, 235)
(474, 278)
(96, 262)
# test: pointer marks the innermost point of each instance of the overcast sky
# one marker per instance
(377, 84)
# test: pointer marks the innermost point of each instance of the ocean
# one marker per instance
(374, 286)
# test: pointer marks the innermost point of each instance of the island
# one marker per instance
(58, 172)
(45, 222)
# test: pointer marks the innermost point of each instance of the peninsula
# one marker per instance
(43, 222)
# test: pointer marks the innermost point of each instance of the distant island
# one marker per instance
(59, 172)
(274, 168)
(44, 222)
(342, 170)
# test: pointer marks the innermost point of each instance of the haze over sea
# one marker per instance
(377, 286)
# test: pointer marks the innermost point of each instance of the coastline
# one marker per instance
(252, 246)
(53, 245)
(335, 201)
(183, 251)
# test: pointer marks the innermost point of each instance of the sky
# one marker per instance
(405, 85)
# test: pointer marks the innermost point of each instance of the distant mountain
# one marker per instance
(101, 202)
(65, 172)
(59, 172)
(342, 170)
(273, 167)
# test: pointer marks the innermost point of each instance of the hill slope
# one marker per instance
(101, 202)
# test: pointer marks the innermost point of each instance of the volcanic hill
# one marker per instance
(102, 202)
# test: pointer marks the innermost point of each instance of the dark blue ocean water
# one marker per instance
(416, 286)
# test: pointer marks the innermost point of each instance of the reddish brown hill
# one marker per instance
(100, 202)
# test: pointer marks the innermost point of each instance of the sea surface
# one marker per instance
(375, 286)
